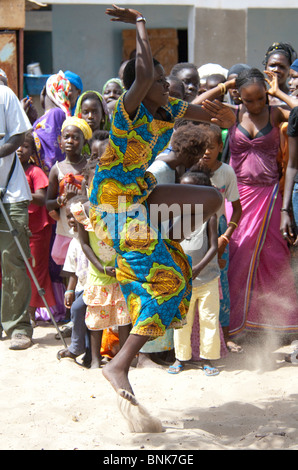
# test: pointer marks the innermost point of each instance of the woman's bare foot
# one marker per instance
(118, 378)
(233, 347)
(116, 371)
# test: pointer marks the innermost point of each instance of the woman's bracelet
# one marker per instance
(283, 209)
(69, 292)
(140, 18)
(223, 88)
(225, 238)
(233, 223)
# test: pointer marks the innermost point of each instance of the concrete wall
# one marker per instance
(264, 27)
(85, 41)
(220, 36)
(88, 43)
(230, 36)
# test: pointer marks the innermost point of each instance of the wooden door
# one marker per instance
(163, 42)
(9, 58)
(12, 23)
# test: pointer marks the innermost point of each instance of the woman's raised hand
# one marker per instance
(221, 114)
(272, 81)
(125, 15)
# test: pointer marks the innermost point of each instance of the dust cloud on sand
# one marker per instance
(52, 405)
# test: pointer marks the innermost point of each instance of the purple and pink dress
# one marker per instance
(262, 287)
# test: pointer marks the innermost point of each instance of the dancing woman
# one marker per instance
(154, 273)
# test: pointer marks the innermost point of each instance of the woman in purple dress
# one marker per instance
(263, 295)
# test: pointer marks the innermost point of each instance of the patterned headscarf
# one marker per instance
(57, 89)
(113, 80)
(80, 123)
(78, 111)
(3, 76)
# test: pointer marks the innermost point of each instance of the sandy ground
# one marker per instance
(52, 405)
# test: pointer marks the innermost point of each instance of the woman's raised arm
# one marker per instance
(144, 70)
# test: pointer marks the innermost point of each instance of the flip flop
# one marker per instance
(61, 355)
(210, 371)
(175, 369)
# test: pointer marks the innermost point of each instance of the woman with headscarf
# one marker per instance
(76, 88)
(47, 129)
(93, 109)
(111, 91)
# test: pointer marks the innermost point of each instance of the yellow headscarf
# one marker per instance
(80, 123)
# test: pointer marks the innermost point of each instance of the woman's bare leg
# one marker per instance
(123, 332)
(116, 371)
(186, 197)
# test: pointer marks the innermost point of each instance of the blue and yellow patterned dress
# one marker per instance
(154, 273)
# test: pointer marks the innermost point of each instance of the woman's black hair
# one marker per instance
(129, 73)
(99, 135)
(183, 65)
(212, 131)
(29, 137)
(189, 139)
(200, 176)
(247, 77)
(90, 95)
(281, 48)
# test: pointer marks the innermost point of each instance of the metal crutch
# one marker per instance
(41, 291)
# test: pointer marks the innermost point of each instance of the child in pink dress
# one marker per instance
(40, 225)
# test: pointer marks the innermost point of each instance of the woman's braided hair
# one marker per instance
(281, 48)
(249, 76)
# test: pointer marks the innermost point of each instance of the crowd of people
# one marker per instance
(81, 184)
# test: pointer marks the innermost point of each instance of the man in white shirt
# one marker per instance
(16, 287)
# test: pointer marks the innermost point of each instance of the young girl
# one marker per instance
(224, 179)
(76, 268)
(65, 180)
(188, 74)
(201, 245)
(40, 224)
(93, 109)
(98, 144)
(154, 273)
(106, 306)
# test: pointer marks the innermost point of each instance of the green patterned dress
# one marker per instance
(153, 272)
